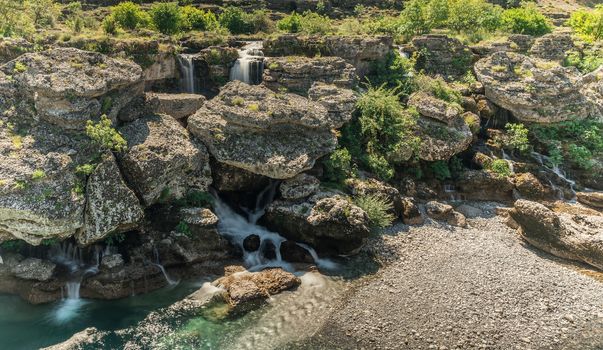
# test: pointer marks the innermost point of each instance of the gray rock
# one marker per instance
(301, 186)
(176, 105)
(434, 108)
(441, 141)
(113, 261)
(592, 199)
(552, 46)
(34, 269)
(340, 103)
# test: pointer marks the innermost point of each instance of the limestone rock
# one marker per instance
(539, 91)
(375, 187)
(227, 178)
(301, 186)
(434, 108)
(411, 214)
(275, 135)
(552, 46)
(111, 207)
(328, 222)
(447, 56)
(176, 105)
(34, 269)
(592, 199)
(89, 337)
(340, 103)
(484, 185)
(570, 236)
(297, 74)
(530, 187)
(68, 86)
(162, 161)
(444, 212)
(441, 141)
(112, 261)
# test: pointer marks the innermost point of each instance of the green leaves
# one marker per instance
(105, 136)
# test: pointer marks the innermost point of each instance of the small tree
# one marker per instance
(127, 15)
(166, 17)
(525, 20)
(105, 136)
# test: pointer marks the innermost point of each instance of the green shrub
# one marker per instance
(38, 174)
(586, 61)
(197, 19)
(15, 19)
(414, 19)
(500, 167)
(196, 199)
(581, 156)
(307, 23)
(290, 24)
(235, 20)
(517, 138)
(395, 72)
(440, 170)
(183, 228)
(109, 25)
(439, 88)
(166, 17)
(260, 21)
(473, 15)
(588, 23)
(338, 166)
(44, 13)
(378, 209)
(525, 20)
(127, 15)
(85, 169)
(105, 136)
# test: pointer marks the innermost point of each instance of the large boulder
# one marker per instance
(485, 185)
(111, 207)
(68, 86)
(570, 236)
(275, 135)
(592, 199)
(540, 91)
(445, 56)
(297, 74)
(163, 162)
(552, 46)
(441, 141)
(326, 221)
(34, 269)
(340, 103)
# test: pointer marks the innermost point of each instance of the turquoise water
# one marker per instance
(24, 326)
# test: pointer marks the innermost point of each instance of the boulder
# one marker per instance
(275, 135)
(328, 222)
(540, 91)
(227, 178)
(163, 162)
(592, 199)
(34, 269)
(440, 141)
(431, 107)
(530, 187)
(552, 46)
(571, 236)
(68, 86)
(88, 338)
(446, 56)
(252, 243)
(444, 212)
(248, 290)
(340, 103)
(484, 185)
(112, 261)
(111, 207)
(375, 187)
(297, 73)
(411, 214)
(299, 187)
(293, 252)
(176, 105)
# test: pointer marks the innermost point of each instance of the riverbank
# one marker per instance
(455, 288)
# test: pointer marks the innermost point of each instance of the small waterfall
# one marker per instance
(161, 268)
(552, 168)
(452, 193)
(250, 65)
(187, 71)
(236, 228)
(509, 161)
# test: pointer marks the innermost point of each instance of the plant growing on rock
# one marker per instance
(338, 166)
(105, 136)
(378, 208)
(517, 138)
(588, 23)
(500, 167)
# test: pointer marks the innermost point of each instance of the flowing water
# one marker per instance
(554, 169)
(250, 65)
(187, 70)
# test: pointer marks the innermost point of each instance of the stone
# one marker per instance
(293, 252)
(592, 199)
(540, 91)
(447, 56)
(299, 187)
(441, 141)
(434, 108)
(34, 269)
(249, 290)
(530, 187)
(485, 186)
(375, 187)
(411, 214)
(111, 207)
(553, 46)
(297, 74)
(112, 261)
(68, 86)
(444, 212)
(328, 222)
(570, 236)
(251, 243)
(268, 249)
(227, 178)
(254, 129)
(163, 68)
(89, 337)
(178, 106)
(340, 103)
(163, 162)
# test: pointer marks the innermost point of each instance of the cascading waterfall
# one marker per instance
(236, 228)
(250, 65)
(546, 163)
(509, 161)
(187, 70)
(452, 193)
(158, 264)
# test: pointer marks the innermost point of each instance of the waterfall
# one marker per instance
(250, 65)
(546, 163)
(236, 228)
(161, 268)
(187, 71)
(452, 193)
(509, 161)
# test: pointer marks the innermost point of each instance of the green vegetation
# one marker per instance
(440, 170)
(525, 20)
(378, 208)
(338, 166)
(517, 138)
(238, 21)
(38, 174)
(105, 136)
(13, 246)
(196, 19)
(196, 199)
(20, 67)
(588, 23)
(183, 228)
(306, 23)
(395, 72)
(115, 239)
(586, 61)
(500, 167)
(166, 17)
(85, 169)
(128, 15)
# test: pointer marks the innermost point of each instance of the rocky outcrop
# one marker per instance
(299, 187)
(176, 105)
(444, 56)
(552, 46)
(440, 141)
(484, 185)
(592, 199)
(444, 212)
(340, 103)
(227, 178)
(326, 221)
(570, 236)
(34, 269)
(297, 74)
(275, 135)
(162, 161)
(373, 187)
(539, 91)
(89, 337)
(111, 207)
(514, 43)
(68, 86)
(360, 51)
(530, 187)
(432, 107)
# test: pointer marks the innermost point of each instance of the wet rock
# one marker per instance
(251, 243)
(268, 249)
(297, 74)
(163, 161)
(34, 269)
(570, 236)
(88, 338)
(328, 222)
(249, 290)
(293, 252)
(411, 214)
(112, 261)
(299, 187)
(447, 56)
(252, 128)
(68, 86)
(552, 46)
(227, 178)
(592, 199)
(539, 91)
(111, 207)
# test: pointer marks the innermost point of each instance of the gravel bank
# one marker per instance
(474, 288)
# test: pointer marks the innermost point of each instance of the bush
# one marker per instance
(586, 61)
(378, 209)
(581, 156)
(338, 166)
(588, 23)
(235, 20)
(500, 167)
(473, 15)
(386, 131)
(166, 17)
(44, 13)
(440, 170)
(110, 25)
(395, 72)
(290, 24)
(525, 20)
(414, 19)
(15, 19)
(196, 19)
(517, 138)
(307, 23)
(105, 136)
(127, 15)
